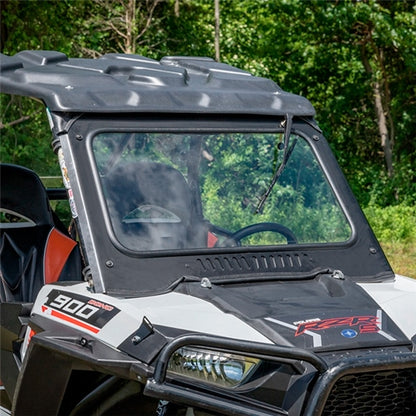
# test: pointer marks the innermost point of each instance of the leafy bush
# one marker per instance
(393, 223)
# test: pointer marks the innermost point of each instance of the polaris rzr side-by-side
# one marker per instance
(217, 262)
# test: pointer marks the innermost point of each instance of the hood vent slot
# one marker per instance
(252, 263)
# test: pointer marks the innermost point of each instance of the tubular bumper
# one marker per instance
(228, 404)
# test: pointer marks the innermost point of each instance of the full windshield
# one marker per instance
(167, 191)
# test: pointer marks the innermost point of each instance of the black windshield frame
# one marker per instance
(361, 256)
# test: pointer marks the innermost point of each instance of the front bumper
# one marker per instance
(295, 382)
(378, 381)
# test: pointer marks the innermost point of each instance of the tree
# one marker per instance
(355, 60)
(125, 21)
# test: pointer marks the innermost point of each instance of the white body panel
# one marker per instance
(398, 300)
(172, 309)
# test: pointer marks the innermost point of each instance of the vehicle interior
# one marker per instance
(35, 247)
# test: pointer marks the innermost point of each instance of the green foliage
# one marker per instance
(315, 48)
(40, 25)
(393, 223)
(25, 135)
(395, 228)
(301, 199)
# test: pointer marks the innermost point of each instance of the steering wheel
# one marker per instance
(261, 227)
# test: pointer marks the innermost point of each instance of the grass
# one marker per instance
(395, 228)
(401, 256)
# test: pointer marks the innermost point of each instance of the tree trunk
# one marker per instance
(131, 27)
(381, 107)
(217, 30)
(382, 128)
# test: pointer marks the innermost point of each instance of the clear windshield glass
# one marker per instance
(183, 191)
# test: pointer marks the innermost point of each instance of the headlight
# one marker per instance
(219, 368)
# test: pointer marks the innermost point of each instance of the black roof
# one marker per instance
(133, 83)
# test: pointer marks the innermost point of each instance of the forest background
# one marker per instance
(354, 60)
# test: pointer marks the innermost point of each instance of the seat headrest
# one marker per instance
(22, 192)
(153, 183)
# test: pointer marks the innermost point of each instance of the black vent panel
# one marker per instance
(381, 393)
(253, 263)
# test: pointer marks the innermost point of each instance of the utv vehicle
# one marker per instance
(217, 261)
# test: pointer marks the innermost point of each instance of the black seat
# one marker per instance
(151, 208)
(32, 251)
